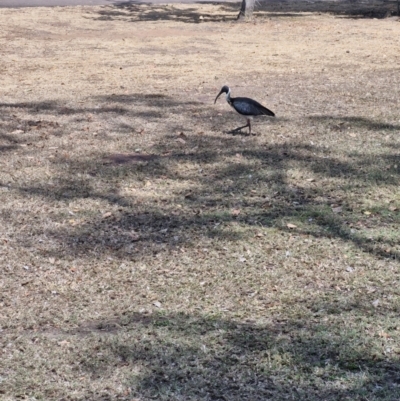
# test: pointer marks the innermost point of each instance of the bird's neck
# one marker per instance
(228, 96)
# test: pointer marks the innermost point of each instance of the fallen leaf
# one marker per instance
(290, 225)
(367, 213)
(62, 343)
(337, 209)
(181, 140)
(157, 304)
(106, 215)
(268, 267)
(52, 260)
(375, 303)
(393, 208)
(236, 212)
(310, 179)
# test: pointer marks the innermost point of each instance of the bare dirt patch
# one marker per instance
(148, 254)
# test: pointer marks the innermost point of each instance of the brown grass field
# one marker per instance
(146, 253)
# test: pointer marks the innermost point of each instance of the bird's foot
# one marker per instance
(233, 131)
(237, 129)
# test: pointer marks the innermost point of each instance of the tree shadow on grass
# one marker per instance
(342, 123)
(157, 105)
(253, 180)
(135, 11)
(112, 110)
(206, 209)
(345, 8)
(195, 357)
(8, 143)
(16, 132)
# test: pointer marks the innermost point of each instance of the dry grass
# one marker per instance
(147, 254)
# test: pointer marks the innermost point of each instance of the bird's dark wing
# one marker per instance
(250, 107)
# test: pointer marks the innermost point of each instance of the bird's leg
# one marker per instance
(239, 128)
(249, 124)
(244, 126)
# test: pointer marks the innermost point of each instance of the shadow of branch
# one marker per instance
(135, 11)
(196, 357)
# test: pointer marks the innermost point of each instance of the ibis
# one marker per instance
(245, 106)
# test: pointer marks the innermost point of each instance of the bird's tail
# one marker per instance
(268, 112)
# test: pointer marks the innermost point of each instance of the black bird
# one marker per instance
(245, 106)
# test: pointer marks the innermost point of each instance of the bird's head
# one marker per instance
(224, 89)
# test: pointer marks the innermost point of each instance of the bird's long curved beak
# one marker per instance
(219, 94)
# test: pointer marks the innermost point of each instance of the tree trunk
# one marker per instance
(246, 9)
